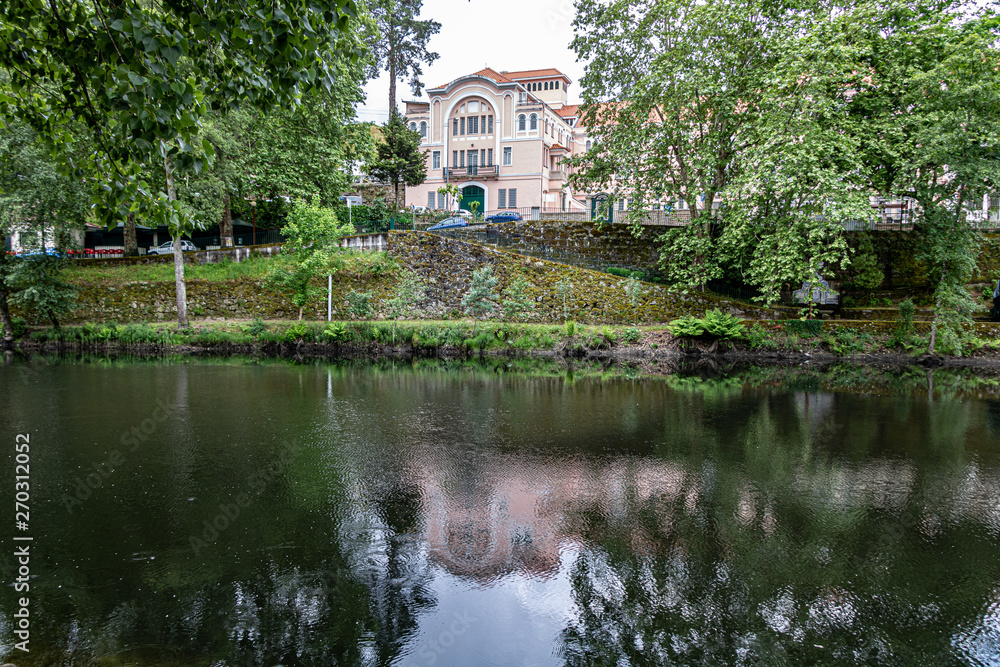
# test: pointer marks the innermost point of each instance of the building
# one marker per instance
(500, 137)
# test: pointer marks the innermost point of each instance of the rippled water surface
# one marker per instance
(198, 513)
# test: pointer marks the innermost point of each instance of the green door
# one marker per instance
(597, 207)
(471, 193)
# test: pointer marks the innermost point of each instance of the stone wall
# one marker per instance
(616, 244)
(447, 265)
(365, 242)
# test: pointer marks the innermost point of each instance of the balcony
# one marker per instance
(459, 173)
(557, 175)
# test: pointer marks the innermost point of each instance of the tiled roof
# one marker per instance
(533, 73)
(488, 72)
(568, 110)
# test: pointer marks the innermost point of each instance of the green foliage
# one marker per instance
(36, 285)
(844, 341)
(359, 304)
(408, 292)
(313, 233)
(864, 271)
(633, 291)
(756, 335)
(804, 327)
(687, 326)
(334, 332)
(609, 335)
(631, 334)
(298, 332)
(517, 303)
(715, 324)
(19, 326)
(570, 328)
(481, 298)
(564, 289)
(399, 43)
(142, 78)
(399, 157)
(257, 328)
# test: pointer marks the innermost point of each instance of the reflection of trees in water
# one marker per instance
(772, 551)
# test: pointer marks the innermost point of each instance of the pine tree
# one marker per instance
(398, 156)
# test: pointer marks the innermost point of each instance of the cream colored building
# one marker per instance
(500, 137)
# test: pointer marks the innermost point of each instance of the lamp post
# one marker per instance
(253, 219)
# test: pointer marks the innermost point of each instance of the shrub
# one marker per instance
(256, 328)
(359, 304)
(631, 334)
(811, 328)
(570, 328)
(722, 325)
(687, 326)
(609, 335)
(334, 332)
(296, 332)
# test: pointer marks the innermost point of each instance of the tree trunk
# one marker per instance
(8, 323)
(55, 322)
(934, 323)
(226, 224)
(131, 244)
(180, 286)
(391, 58)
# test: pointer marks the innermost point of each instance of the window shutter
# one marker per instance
(501, 198)
(512, 197)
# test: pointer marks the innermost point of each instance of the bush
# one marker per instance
(296, 332)
(20, 327)
(687, 326)
(334, 332)
(570, 328)
(812, 328)
(256, 328)
(722, 325)
(631, 334)
(609, 335)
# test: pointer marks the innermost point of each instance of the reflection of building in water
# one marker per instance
(518, 519)
(502, 515)
(814, 407)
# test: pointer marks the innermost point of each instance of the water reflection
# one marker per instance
(455, 516)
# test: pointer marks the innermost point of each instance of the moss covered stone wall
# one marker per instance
(447, 264)
(614, 244)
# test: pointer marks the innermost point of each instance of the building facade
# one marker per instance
(500, 138)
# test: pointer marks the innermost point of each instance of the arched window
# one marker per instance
(520, 123)
(413, 127)
(557, 85)
(423, 129)
(546, 85)
(533, 122)
(588, 144)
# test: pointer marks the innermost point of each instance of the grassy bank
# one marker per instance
(466, 337)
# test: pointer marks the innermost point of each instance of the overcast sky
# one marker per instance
(503, 34)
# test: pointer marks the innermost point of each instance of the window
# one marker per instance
(588, 144)
(436, 160)
(473, 159)
(454, 127)
(423, 129)
(520, 123)
(557, 88)
(621, 204)
(507, 156)
(522, 98)
(431, 198)
(482, 124)
(473, 124)
(533, 124)
(461, 125)
(490, 125)
(546, 85)
(482, 156)
(413, 127)
(512, 198)
(461, 158)
(501, 199)
(489, 156)
(454, 158)
(473, 106)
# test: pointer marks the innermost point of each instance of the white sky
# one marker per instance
(503, 34)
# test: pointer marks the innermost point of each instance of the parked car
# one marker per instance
(505, 216)
(51, 252)
(168, 248)
(462, 212)
(449, 223)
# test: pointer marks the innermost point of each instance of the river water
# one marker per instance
(217, 513)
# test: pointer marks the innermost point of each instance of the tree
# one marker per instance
(398, 156)
(451, 192)
(36, 286)
(313, 234)
(400, 46)
(38, 203)
(141, 77)
(481, 298)
(517, 302)
(408, 292)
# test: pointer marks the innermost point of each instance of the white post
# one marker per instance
(350, 220)
(329, 296)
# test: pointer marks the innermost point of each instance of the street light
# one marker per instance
(253, 219)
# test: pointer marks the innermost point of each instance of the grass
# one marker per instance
(361, 263)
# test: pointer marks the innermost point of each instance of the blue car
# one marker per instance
(39, 253)
(506, 216)
(448, 223)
